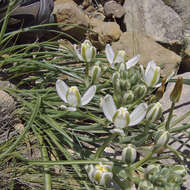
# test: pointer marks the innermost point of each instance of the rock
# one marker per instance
(98, 13)
(7, 106)
(76, 22)
(5, 84)
(103, 32)
(137, 43)
(112, 8)
(155, 19)
(182, 7)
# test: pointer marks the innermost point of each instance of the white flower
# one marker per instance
(87, 52)
(152, 74)
(71, 95)
(119, 57)
(114, 58)
(121, 117)
(100, 173)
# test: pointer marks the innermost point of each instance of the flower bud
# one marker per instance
(153, 168)
(127, 85)
(95, 73)
(154, 112)
(140, 91)
(177, 90)
(145, 185)
(103, 174)
(122, 67)
(122, 84)
(162, 138)
(90, 169)
(121, 118)
(180, 170)
(129, 154)
(118, 86)
(115, 77)
(160, 91)
(134, 78)
(128, 97)
(124, 74)
(87, 52)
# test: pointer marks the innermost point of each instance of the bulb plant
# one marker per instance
(108, 101)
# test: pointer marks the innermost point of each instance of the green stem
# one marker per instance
(26, 129)
(86, 75)
(141, 162)
(101, 149)
(146, 128)
(167, 127)
(6, 19)
(44, 153)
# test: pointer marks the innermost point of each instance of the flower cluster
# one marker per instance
(129, 105)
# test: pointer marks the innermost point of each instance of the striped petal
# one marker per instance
(138, 114)
(108, 107)
(152, 74)
(88, 95)
(132, 62)
(62, 89)
(109, 53)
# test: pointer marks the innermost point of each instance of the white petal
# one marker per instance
(119, 57)
(71, 109)
(88, 54)
(108, 107)
(77, 52)
(61, 88)
(142, 72)
(150, 64)
(138, 114)
(109, 53)
(119, 131)
(132, 62)
(152, 74)
(88, 95)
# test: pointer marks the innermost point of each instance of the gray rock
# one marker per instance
(5, 84)
(182, 7)
(137, 43)
(112, 8)
(7, 106)
(155, 19)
